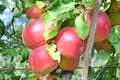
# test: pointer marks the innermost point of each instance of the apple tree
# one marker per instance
(59, 39)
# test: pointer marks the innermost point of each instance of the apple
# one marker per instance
(114, 18)
(104, 45)
(46, 77)
(41, 62)
(103, 25)
(35, 11)
(32, 35)
(68, 42)
(82, 48)
(69, 64)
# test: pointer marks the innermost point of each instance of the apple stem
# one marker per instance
(90, 40)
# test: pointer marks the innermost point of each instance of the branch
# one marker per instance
(3, 69)
(90, 40)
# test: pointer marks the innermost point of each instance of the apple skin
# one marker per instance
(34, 12)
(104, 45)
(69, 64)
(82, 48)
(103, 25)
(41, 62)
(68, 42)
(32, 35)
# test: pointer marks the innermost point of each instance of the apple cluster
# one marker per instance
(67, 42)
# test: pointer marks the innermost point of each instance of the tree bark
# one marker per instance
(90, 40)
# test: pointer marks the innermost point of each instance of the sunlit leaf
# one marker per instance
(53, 53)
(50, 34)
(102, 57)
(114, 38)
(40, 4)
(81, 26)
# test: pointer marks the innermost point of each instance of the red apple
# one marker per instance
(82, 48)
(34, 12)
(32, 35)
(41, 62)
(69, 63)
(68, 42)
(103, 25)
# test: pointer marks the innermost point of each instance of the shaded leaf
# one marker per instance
(2, 8)
(1, 28)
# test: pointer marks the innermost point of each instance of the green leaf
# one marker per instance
(88, 2)
(102, 58)
(29, 21)
(53, 4)
(24, 53)
(23, 3)
(28, 4)
(101, 75)
(105, 6)
(82, 27)
(114, 38)
(18, 5)
(117, 47)
(61, 5)
(91, 73)
(50, 34)
(1, 28)
(2, 8)
(40, 4)
(2, 44)
(48, 20)
(57, 77)
(11, 52)
(57, 11)
(55, 55)
(53, 18)
(16, 12)
(117, 31)
(51, 47)
(68, 22)
(10, 4)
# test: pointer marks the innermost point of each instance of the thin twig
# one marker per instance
(90, 40)
(102, 67)
(2, 69)
(105, 66)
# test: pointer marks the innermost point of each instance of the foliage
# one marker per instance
(61, 13)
